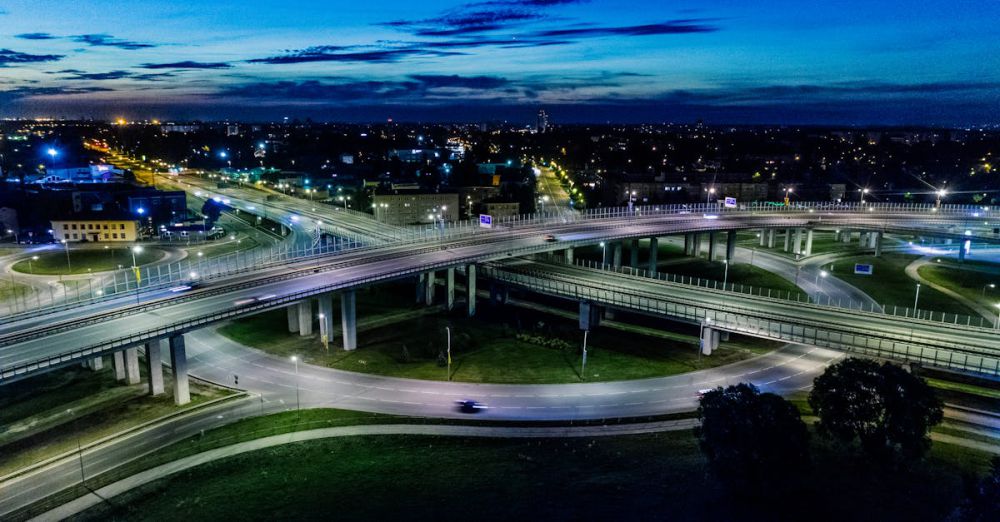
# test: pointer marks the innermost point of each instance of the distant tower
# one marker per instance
(542, 124)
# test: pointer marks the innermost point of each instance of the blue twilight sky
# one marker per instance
(767, 61)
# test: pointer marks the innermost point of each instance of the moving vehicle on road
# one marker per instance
(470, 406)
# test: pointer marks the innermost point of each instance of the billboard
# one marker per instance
(485, 221)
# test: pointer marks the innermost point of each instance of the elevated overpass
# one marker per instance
(109, 323)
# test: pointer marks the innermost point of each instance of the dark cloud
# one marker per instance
(8, 57)
(35, 36)
(106, 40)
(672, 27)
(154, 77)
(333, 54)
(187, 65)
(466, 23)
(110, 75)
(21, 93)
(465, 82)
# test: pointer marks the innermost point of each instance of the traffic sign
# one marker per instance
(863, 269)
(730, 203)
(485, 221)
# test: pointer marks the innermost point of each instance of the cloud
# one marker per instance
(671, 27)
(35, 36)
(465, 82)
(8, 57)
(20, 93)
(332, 54)
(417, 88)
(110, 75)
(187, 65)
(106, 40)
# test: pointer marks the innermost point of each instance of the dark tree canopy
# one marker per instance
(983, 502)
(212, 210)
(884, 407)
(751, 438)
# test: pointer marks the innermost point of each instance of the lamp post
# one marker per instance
(447, 329)
(996, 324)
(14, 233)
(819, 279)
(916, 298)
(863, 192)
(30, 269)
(295, 359)
(708, 196)
(788, 194)
(604, 253)
(725, 277)
(583, 363)
(991, 285)
(69, 265)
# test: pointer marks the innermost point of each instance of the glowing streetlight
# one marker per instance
(295, 359)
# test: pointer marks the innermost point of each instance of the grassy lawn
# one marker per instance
(48, 415)
(226, 246)
(973, 284)
(509, 348)
(87, 260)
(823, 242)
(10, 290)
(889, 284)
(641, 477)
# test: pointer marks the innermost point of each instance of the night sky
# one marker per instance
(723, 61)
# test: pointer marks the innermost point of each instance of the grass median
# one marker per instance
(86, 260)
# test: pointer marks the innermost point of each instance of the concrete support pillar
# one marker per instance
(568, 256)
(633, 252)
(696, 245)
(654, 250)
(762, 240)
(154, 367)
(798, 241)
(325, 318)
(590, 315)
(616, 259)
(293, 318)
(709, 340)
(770, 237)
(873, 237)
(450, 299)
(429, 287)
(712, 241)
(878, 244)
(687, 244)
(731, 246)
(118, 362)
(421, 288)
(809, 242)
(178, 363)
(95, 364)
(305, 318)
(349, 320)
(961, 250)
(470, 288)
(788, 240)
(132, 366)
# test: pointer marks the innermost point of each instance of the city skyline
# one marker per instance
(922, 63)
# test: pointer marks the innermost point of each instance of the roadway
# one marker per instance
(34, 339)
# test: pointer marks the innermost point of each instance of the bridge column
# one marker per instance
(132, 366)
(590, 315)
(118, 362)
(178, 363)
(771, 233)
(95, 364)
(809, 242)
(470, 288)
(616, 259)
(633, 251)
(349, 320)
(421, 289)
(788, 240)
(878, 244)
(961, 250)
(450, 299)
(709, 340)
(154, 367)
(654, 250)
(696, 245)
(305, 318)
(429, 288)
(763, 237)
(325, 318)
(687, 244)
(712, 240)
(731, 246)
(798, 241)
(293, 318)
(568, 256)
(845, 235)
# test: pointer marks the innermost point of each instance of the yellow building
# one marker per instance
(96, 230)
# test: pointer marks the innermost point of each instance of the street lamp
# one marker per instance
(30, 269)
(14, 233)
(708, 197)
(788, 193)
(69, 265)
(604, 253)
(916, 299)
(991, 285)
(135, 250)
(52, 152)
(583, 362)
(820, 278)
(863, 192)
(725, 278)
(295, 359)
(448, 330)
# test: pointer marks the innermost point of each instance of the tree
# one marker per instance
(885, 408)
(983, 502)
(751, 438)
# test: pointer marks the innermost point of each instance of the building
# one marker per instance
(411, 208)
(542, 124)
(501, 209)
(96, 230)
(8, 220)
(88, 174)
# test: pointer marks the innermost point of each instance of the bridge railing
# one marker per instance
(128, 282)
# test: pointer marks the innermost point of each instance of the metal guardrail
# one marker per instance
(738, 313)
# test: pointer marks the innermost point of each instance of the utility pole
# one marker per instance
(583, 364)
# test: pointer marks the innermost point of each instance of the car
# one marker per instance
(550, 238)
(470, 406)
(702, 392)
